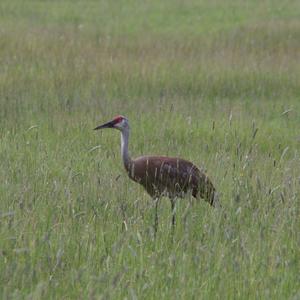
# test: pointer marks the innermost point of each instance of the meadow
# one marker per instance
(216, 82)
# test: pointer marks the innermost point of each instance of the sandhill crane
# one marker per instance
(163, 176)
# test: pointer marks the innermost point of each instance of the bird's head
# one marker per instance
(118, 122)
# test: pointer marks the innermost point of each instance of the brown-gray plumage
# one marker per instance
(170, 176)
(163, 176)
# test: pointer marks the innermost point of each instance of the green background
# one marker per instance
(215, 82)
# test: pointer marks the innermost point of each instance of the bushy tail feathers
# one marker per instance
(208, 192)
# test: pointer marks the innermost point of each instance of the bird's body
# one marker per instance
(171, 177)
(161, 175)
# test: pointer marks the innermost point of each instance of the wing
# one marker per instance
(159, 174)
(178, 174)
(170, 176)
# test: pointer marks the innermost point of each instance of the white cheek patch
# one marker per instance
(120, 124)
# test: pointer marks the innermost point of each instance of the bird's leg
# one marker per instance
(173, 203)
(156, 216)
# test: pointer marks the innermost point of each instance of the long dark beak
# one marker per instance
(109, 124)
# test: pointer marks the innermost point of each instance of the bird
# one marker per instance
(161, 176)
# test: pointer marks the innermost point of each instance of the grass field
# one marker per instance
(215, 82)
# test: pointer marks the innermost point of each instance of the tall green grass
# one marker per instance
(216, 82)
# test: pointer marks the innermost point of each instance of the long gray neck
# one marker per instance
(124, 148)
